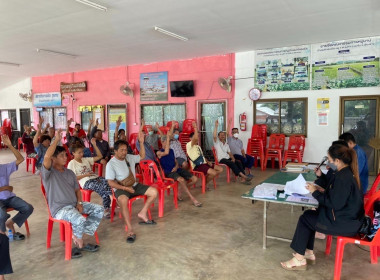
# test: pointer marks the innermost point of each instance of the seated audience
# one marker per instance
(173, 170)
(225, 156)
(198, 161)
(82, 167)
(362, 159)
(237, 149)
(340, 211)
(51, 133)
(149, 152)
(8, 199)
(74, 140)
(102, 144)
(65, 199)
(179, 154)
(152, 138)
(41, 144)
(77, 128)
(121, 176)
(120, 134)
(27, 140)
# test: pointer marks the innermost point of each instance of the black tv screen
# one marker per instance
(182, 88)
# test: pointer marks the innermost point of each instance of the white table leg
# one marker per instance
(265, 226)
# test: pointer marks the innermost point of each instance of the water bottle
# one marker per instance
(10, 235)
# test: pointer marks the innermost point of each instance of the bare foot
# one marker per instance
(78, 241)
(10, 224)
(142, 216)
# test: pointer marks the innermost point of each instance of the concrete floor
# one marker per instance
(221, 240)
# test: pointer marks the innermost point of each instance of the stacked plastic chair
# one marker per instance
(275, 149)
(296, 148)
(169, 124)
(132, 140)
(257, 143)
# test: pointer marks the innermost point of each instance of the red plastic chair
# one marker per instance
(66, 231)
(296, 148)
(98, 166)
(187, 126)
(69, 155)
(26, 222)
(184, 138)
(169, 124)
(373, 189)
(130, 201)
(255, 148)
(228, 170)
(202, 177)
(342, 241)
(275, 149)
(164, 129)
(149, 170)
(260, 131)
(33, 162)
(132, 140)
(145, 128)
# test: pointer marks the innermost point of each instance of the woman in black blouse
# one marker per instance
(340, 210)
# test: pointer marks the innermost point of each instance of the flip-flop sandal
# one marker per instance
(75, 253)
(18, 236)
(294, 264)
(246, 183)
(148, 222)
(131, 238)
(197, 204)
(90, 248)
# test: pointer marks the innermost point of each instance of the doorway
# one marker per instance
(209, 112)
(24, 119)
(360, 116)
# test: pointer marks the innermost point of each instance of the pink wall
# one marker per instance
(103, 85)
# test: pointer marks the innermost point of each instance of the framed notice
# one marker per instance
(154, 86)
(49, 99)
(346, 64)
(98, 113)
(282, 69)
(114, 112)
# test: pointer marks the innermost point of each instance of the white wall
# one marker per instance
(10, 99)
(319, 138)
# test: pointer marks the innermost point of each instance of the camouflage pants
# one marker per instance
(79, 223)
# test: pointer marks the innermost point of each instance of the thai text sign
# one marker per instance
(73, 87)
(47, 99)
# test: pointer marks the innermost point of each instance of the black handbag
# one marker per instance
(366, 226)
(199, 160)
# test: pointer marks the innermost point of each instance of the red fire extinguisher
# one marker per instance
(243, 122)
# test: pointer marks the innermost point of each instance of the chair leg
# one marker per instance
(34, 166)
(328, 245)
(214, 183)
(373, 250)
(49, 232)
(113, 206)
(27, 227)
(265, 161)
(62, 232)
(338, 258)
(228, 174)
(204, 183)
(96, 237)
(68, 235)
(175, 195)
(27, 164)
(161, 200)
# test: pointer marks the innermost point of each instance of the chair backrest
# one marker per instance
(132, 140)
(215, 155)
(296, 143)
(44, 194)
(368, 205)
(255, 146)
(260, 131)
(374, 187)
(145, 128)
(187, 126)
(184, 138)
(276, 141)
(164, 129)
(176, 124)
(149, 170)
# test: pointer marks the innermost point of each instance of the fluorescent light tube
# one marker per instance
(10, 64)
(170, 33)
(57, 53)
(93, 5)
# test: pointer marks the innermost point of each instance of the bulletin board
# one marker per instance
(98, 113)
(113, 113)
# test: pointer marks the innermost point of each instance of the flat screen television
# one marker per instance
(182, 88)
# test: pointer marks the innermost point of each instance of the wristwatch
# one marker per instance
(81, 203)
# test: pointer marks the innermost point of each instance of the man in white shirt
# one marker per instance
(237, 149)
(225, 156)
(121, 174)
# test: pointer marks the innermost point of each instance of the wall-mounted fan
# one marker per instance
(26, 96)
(126, 89)
(225, 83)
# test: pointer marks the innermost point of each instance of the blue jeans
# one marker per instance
(247, 161)
(24, 208)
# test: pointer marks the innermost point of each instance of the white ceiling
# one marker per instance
(124, 35)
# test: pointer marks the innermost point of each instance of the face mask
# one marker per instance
(236, 135)
(176, 136)
(332, 166)
(150, 132)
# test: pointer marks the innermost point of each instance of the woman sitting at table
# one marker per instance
(340, 210)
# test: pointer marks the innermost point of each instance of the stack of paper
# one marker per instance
(297, 186)
(265, 191)
(308, 198)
